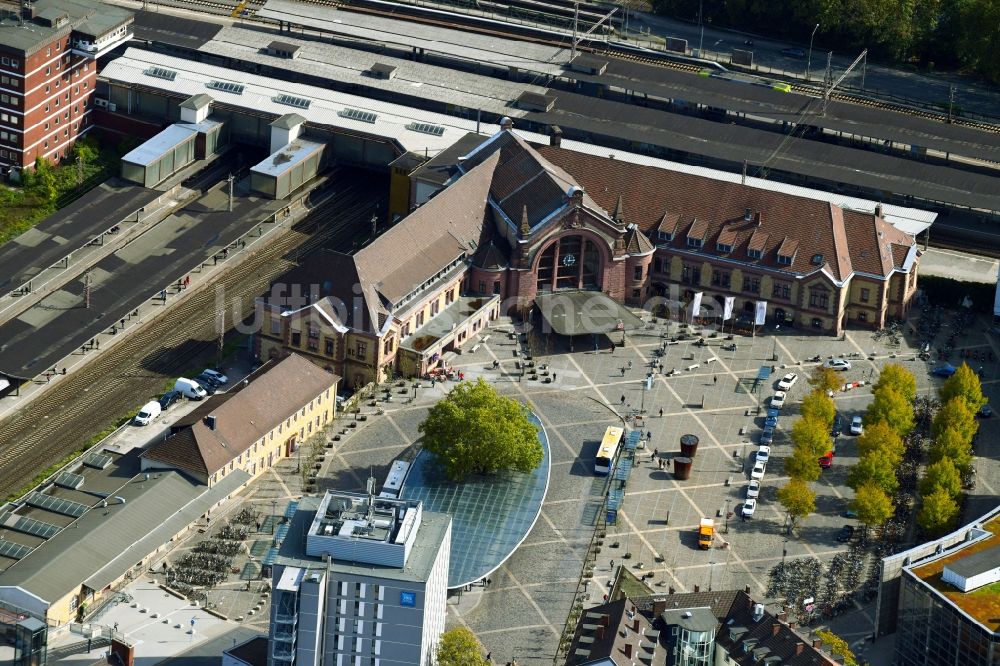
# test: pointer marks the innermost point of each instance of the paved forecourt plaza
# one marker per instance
(522, 612)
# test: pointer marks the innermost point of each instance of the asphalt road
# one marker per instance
(970, 95)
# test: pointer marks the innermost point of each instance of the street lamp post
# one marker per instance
(727, 516)
(784, 552)
(701, 24)
(809, 59)
(274, 505)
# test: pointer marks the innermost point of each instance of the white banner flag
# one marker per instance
(761, 313)
(727, 309)
(696, 305)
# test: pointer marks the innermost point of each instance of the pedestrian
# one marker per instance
(656, 453)
(553, 376)
(612, 567)
(489, 656)
(623, 371)
(661, 368)
(715, 379)
(116, 626)
(623, 398)
(630, 365)
(661, 412)
(649, 435)
(489, 581)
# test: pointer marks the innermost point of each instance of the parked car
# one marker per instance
(778, 399)
(169, 398)
(208, 386)
(189, 388)
(767, 436)
(758, 471)
(788, 381)
(946, 370)
(838, 364)
(985, 412)
(749, 506)
(204, 379)
(763, 454)
(753, 488)
(850, 513)
(771, 422)
(793, 53)
(826, 462)
(846, 534)
(216, 375)
(838, 426)
(148, 412)
(857, 427)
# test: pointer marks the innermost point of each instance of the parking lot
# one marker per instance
(521, 614)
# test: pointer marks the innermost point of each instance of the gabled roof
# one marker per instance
(815, 225)
(243, 416)
(614, 631)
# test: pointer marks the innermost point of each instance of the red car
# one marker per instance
(826, 461)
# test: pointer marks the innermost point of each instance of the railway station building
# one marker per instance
(251, 426)
(509, 226)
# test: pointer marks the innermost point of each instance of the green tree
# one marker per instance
(802, 465)
(42, 182)
(899, 379)
(812, 435)
(825, 380)
(874, 469)
(951, 446)
(837, 646)
(893, 408)
(964, 384)
(941, 475)
(798, 499)
(938, 512)
(872, 505)
(975, 29)
(475, 430)
(86, 149)
(879, 439)
(956, 415)
(460, 647)
(818, 405)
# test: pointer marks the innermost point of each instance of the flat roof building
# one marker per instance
(359, 579)
(945, 608)
(48, 68)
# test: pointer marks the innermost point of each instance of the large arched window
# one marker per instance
(572, 262)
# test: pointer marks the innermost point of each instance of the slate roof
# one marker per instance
(688, 204)
(603, 632)
(243, 416)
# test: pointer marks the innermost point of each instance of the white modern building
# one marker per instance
(360, 580)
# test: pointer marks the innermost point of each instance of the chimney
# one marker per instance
(506, 124)
(555, 138)
(799, 647)
(604, 620)
(791, 625)
(756, 218)
(878, 210)
(775, 628)
(782, 616)
(599, 633)
(746, 589)
(697, 589)
(635, 625)
(817, 643)
(210, 421)
(628, 650)
(670, 590)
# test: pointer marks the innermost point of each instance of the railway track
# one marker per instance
(62, 419)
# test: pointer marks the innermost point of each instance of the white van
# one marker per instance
(148, 412)
(189, 388)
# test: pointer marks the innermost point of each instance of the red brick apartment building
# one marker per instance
(48, 68)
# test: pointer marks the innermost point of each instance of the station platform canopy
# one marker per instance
(490, 515)
(585, 313)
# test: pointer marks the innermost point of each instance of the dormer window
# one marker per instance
(665, 236)
(695, 242)
(722, 247)
(785, 260)
(755, 254)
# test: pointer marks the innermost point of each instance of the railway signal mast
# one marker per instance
(831, 84)
(576, 20)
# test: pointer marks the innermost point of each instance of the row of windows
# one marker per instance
(9, 118)
(12, 100)
(12, 62)
(9, 82)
